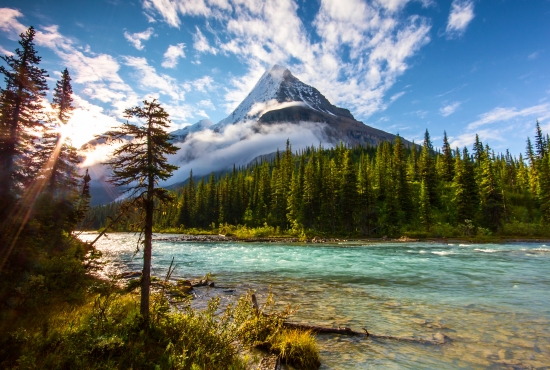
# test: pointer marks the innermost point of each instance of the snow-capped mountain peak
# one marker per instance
(278, 85)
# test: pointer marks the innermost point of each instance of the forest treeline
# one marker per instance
(390, 189)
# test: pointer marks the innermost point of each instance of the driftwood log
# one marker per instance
(437, 338)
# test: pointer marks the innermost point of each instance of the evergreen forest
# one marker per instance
(392, 189)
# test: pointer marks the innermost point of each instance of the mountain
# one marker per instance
(280, 97)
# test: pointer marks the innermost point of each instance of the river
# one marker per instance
(492, 300)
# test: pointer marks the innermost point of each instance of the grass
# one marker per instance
(104, 330)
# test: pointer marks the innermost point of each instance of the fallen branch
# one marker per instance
(438, 338)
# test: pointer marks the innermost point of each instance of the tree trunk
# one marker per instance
(147, 250)
(148, 230)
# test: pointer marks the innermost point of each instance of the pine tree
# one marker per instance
(347, 194)
(402, 187)
(465, 188)
(366, 207)
(478, 151)
(20, 108)
(544, 189)
(541, 146)
(491, 199)
(448, 161)
(59, 156)
(140, 164)
(428, 171)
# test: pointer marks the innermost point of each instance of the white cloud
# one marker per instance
(462, 13)
(208, 151)
(150, 79)
(169, 9)
(486, 135)
(518, 123)
(206, 103)
(394, 97)
(136, 38)
(172, 54)
(540, 112)
(9, 23)
(5, 51)
(449, 109)
(203, 84)
(201, 44)
(421, 113)
(533, 56)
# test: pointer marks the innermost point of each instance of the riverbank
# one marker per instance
(316, 239)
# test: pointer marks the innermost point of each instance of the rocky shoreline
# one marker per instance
(317, 239)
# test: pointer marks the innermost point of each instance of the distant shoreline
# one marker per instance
(320, 240)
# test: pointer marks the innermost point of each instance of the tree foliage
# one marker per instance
(139, 164)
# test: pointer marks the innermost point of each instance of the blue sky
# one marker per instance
(398, 65)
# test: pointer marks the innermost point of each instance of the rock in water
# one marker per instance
(271, 362)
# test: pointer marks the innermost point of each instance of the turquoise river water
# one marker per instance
(492, 300)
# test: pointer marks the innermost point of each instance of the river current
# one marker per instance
(492, 300)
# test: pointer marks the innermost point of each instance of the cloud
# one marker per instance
(201, 44)
(260, 108)
(421, 113)
(172, 54)
(203, 84)
(394, 97)
(149, 79)
(533, 56)
(541, 112)
(5, 51)
(136, 38)
(208, 151)
(207, 104)
(468, 138)
(516, 122)
(9, 23)
(462, 13)
(169, 9)
(449, 109)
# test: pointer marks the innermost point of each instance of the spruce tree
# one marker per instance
(427, 170)
(366, 198)
(448, 161)
(465, 188)
(491, 199)
(60, 158)
(541, 146)
(478, 151)
(347, 193)
(20, 108)
(140, 164)
(402, 187)
(544, 189)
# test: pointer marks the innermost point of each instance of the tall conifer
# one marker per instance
(21, 108)
(140, 164)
